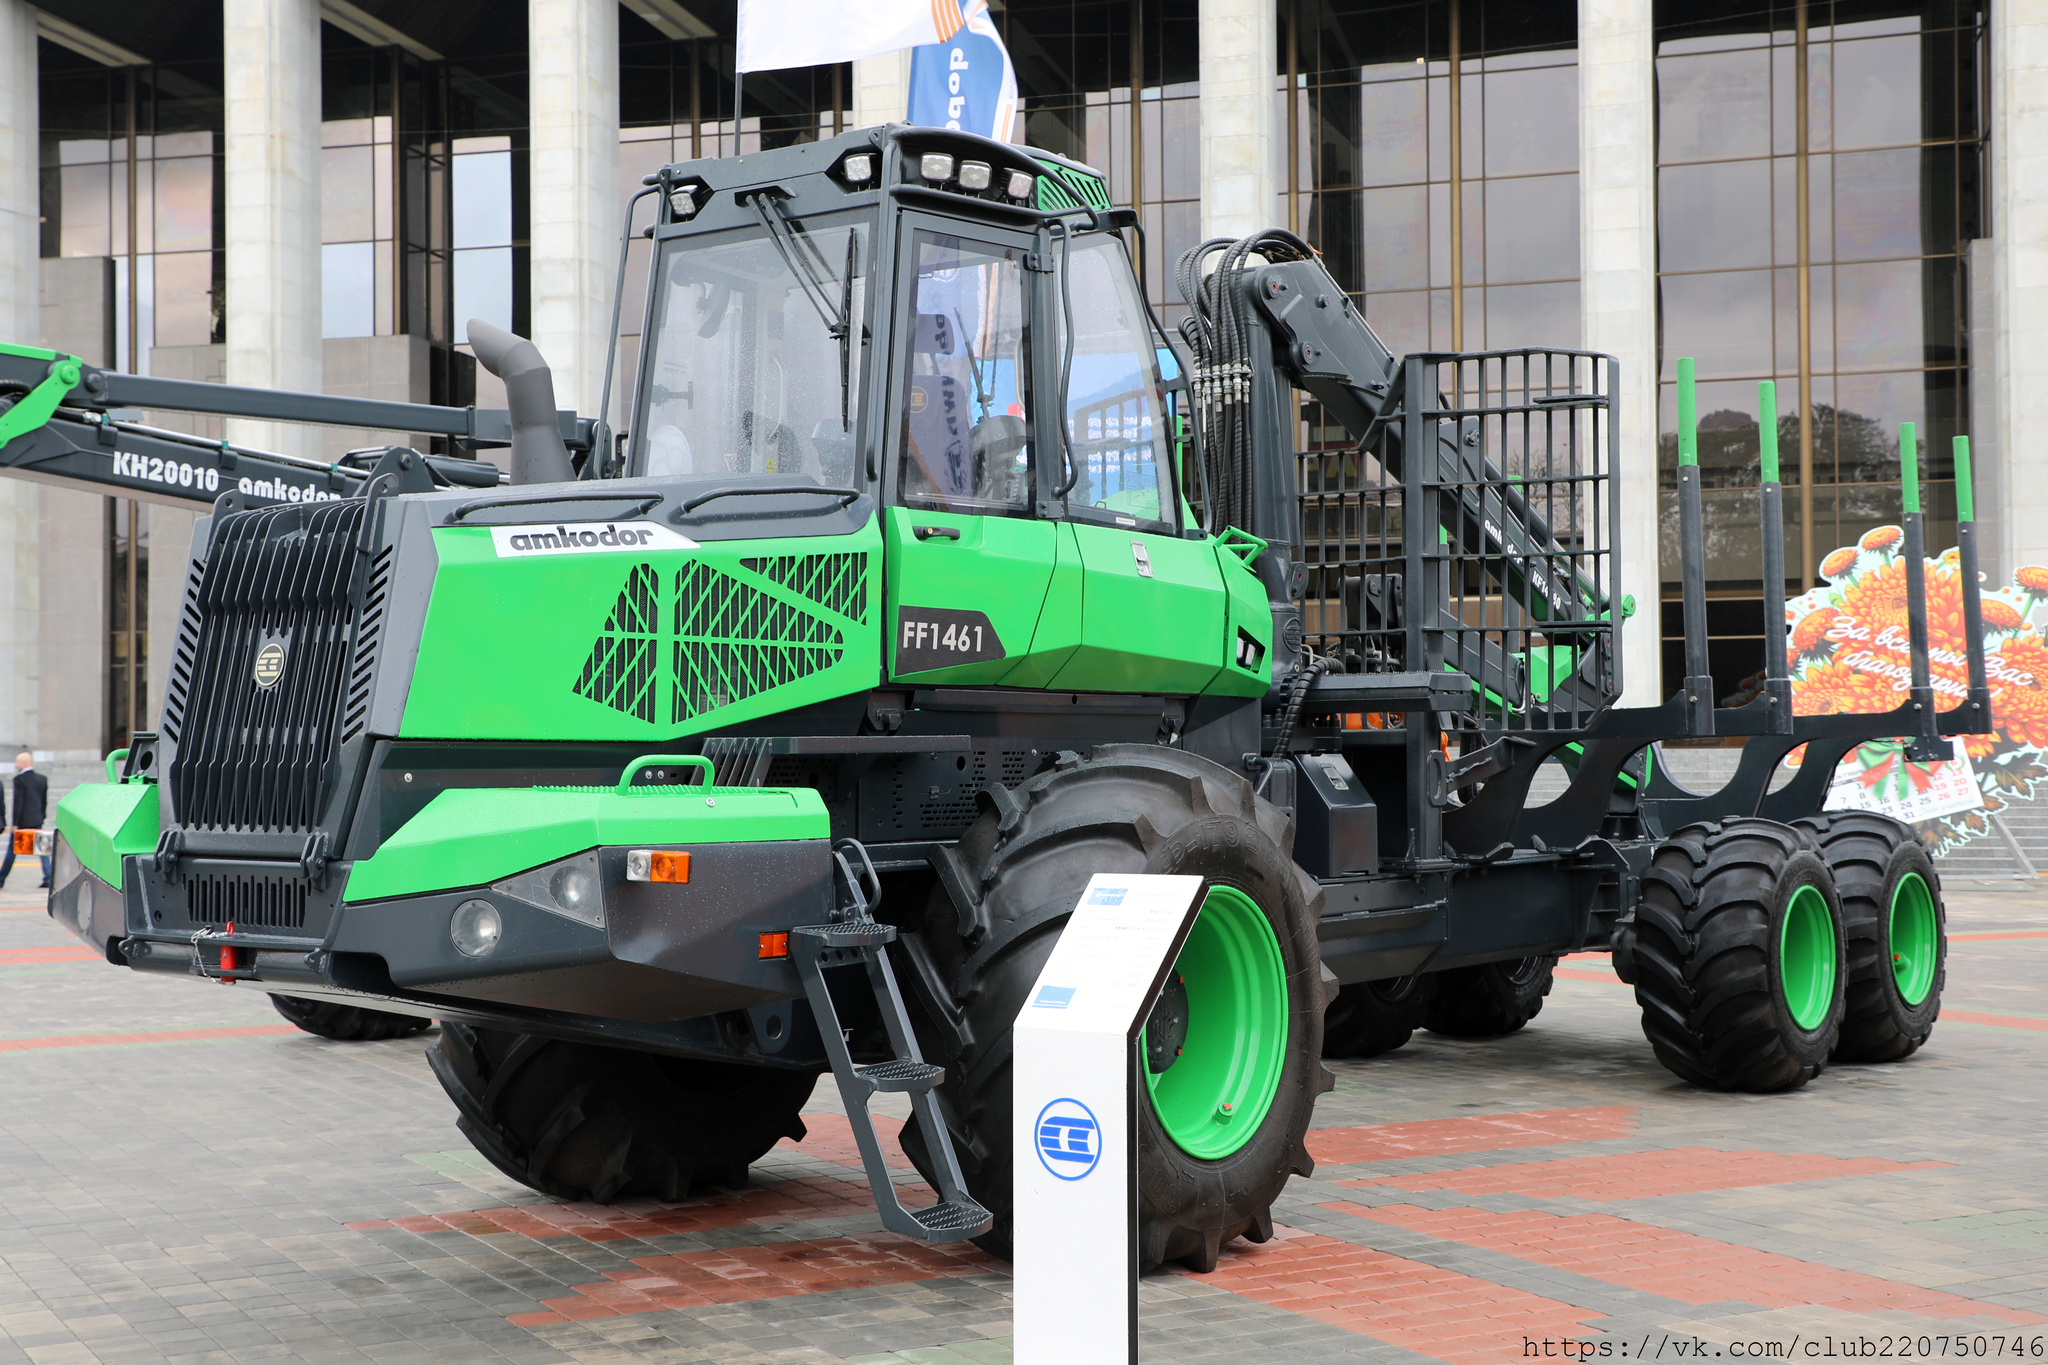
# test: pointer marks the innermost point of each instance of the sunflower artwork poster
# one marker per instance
(1849, 651)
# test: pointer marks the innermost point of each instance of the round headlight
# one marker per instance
(475, 929)
(574, 889)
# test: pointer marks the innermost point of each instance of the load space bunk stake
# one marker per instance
(1777, 669)
(1977, 707)
(1692, 558)
(1927, 745)
(855, 939)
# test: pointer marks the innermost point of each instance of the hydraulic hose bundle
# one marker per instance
(1221, 332)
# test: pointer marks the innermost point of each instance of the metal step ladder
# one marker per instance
(855, 939)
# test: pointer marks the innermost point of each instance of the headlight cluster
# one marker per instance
(570, 887)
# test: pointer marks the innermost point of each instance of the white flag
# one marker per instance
(782, 33)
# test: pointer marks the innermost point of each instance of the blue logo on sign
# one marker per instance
(1069, 1139)
(1053, 998)
(1107, 895)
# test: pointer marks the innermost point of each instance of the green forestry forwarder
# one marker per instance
(777, 733)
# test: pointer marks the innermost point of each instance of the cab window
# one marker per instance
(1116, 416)
(966, 435)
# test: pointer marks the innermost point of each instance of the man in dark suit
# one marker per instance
(31, 802)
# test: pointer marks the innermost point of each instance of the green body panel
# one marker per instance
(1162, 633)
(1000, 566)
(641, 644)
(106, 821)
(474, 836)
(1058, 633)
(1250, 613)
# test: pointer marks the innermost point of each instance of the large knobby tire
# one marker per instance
(1137, 808)
(1736, 948)
(1895, 928)
(583, 1122)
(348, 1023)
(1369, 1018)
(1490, 1000)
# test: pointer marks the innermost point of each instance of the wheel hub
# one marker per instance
(1223, 1072)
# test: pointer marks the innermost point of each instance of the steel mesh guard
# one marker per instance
(1491, 551)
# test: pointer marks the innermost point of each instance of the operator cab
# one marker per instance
(781, 277)
(951, 330)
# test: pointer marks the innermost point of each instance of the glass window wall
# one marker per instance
(1852, 296)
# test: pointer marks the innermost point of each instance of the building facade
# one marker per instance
(1849, 197)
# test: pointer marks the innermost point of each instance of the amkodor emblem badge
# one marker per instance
(269, 665)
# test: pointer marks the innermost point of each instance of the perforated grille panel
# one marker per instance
(274, 629)
(735, 642)
(247, 902)
(675, 648)
(620, 670)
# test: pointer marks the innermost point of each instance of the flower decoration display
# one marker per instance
(1848, 650)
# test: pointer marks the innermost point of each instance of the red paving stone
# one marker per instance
(1985, 938)
(1642, 1175)
(2017, 1021)
(1484, 1133)
(1676, 1265)
(780, 1202)
(829, 1137)
(177, 1035)
(1405, 1303)
(698, 1279)
(21, 957)
(1572, 974)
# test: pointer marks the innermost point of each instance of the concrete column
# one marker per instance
(2019, 228)
(77, 317)
(272, 54)
(20, 503)
(881, 89)
(573, 49)
(1618, 290)
(1240, 139)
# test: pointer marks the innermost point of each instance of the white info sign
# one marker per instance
(1076, 1076)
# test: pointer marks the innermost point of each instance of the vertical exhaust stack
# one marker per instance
(538, 455)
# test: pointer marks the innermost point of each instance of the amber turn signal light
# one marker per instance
(653, 865)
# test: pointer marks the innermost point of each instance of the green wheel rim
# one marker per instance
(1915, 938)
(1806, 957)
(1216, 1094)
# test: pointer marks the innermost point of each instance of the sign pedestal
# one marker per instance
(1077, 1078)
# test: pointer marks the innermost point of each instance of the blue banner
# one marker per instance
(966, 82)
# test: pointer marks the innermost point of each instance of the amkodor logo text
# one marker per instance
(1069, 1139)
(584, 538)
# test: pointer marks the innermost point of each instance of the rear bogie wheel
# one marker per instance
(584, 1122)
(1232, 1050)
(1895, 928)
(348, 1023)
(1490, 1000)
(1736, 947)
(1369, 1018)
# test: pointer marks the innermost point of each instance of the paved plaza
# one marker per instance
(184, 1177)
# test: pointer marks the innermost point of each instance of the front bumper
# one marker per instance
(650, 962)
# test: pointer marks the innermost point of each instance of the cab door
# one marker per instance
(1153, 603)
(967, 566)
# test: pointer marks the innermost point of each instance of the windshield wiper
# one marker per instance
(781, 232)
(785, 234)
(756, 490)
